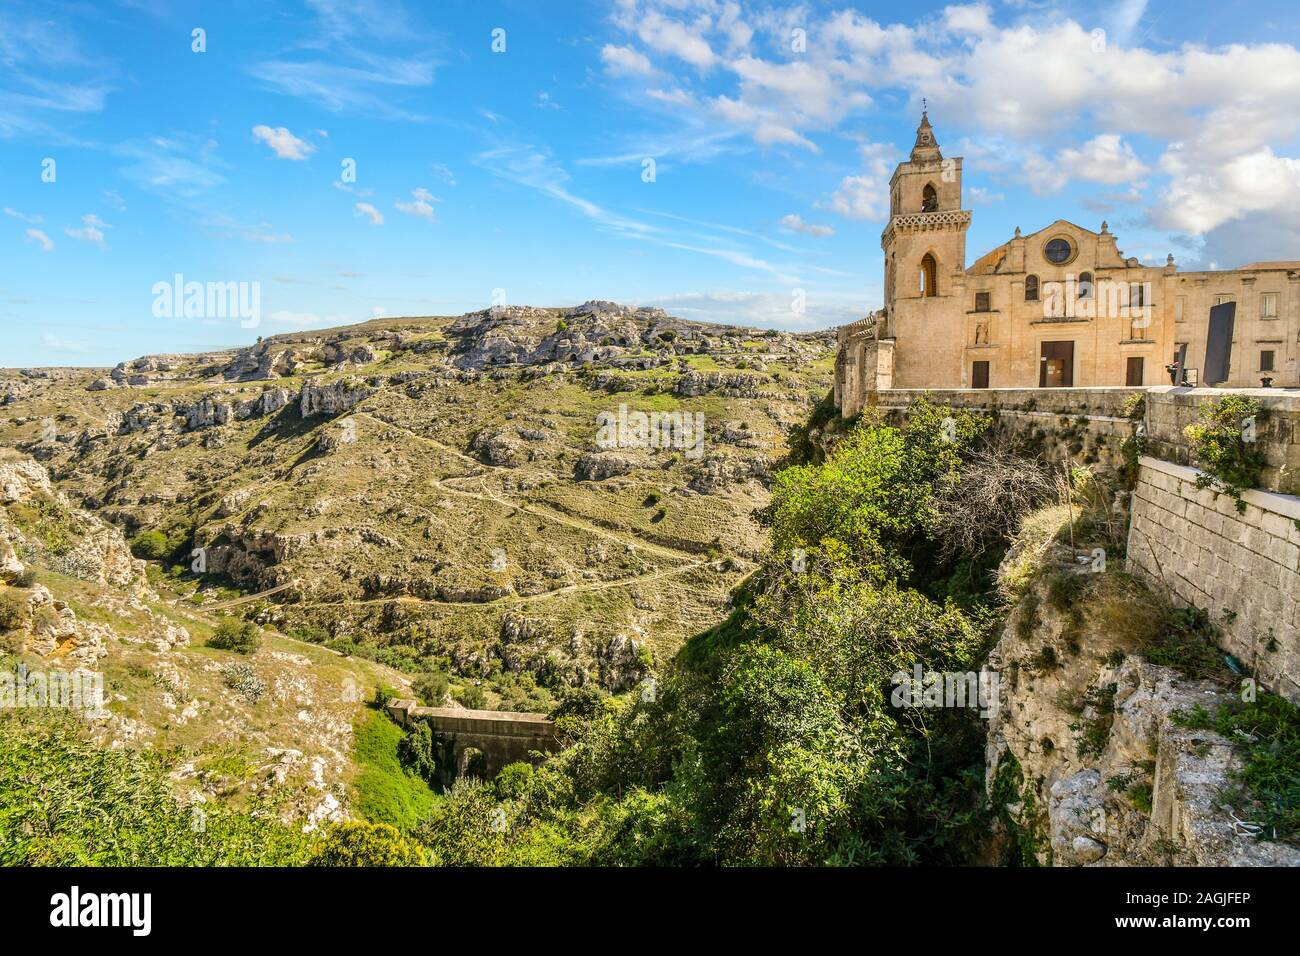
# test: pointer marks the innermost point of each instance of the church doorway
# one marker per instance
(1056, 365)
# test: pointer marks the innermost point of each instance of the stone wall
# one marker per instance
(1197, 547)
(504, 737)
(1087, 425)
(1170, 410)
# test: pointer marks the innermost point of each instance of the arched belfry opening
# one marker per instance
(929, 198)
(929, 276)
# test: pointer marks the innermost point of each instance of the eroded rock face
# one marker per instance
(332, 399)
(598, 466)
(718, 472)
(498, 446)
(1109, 779)
(88, 547)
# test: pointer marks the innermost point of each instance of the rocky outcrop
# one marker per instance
(716, 473)
(1103, 774)
(70, 540)
(598, 466)
(498, 446)
(332, 399)
(729, 384)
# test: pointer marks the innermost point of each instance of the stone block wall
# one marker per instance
(1085, 425)
(1170, 410)
(1197, 547)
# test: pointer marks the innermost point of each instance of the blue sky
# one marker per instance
(522, 173)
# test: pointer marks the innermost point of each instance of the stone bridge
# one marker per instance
(503, 737)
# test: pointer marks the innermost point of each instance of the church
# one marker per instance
(1060, 307)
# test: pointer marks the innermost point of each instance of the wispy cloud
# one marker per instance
(41, 239)
(366, 209)
(33, 219)
(91, 230)
(360, 58)
(420, 206)
(46, 75)
(794, 223)
(282, 142)
(179, 168)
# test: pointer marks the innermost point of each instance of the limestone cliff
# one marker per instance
(1085, 762)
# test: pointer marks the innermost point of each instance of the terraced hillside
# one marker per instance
(430, 491)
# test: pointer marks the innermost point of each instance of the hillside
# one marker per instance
(274, 725)
(430, 492)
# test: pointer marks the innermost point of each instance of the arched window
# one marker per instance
(1085, 285)
(929, 276)
(1031, 288)
(929, 199)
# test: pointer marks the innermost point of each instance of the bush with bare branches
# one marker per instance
(983, 508)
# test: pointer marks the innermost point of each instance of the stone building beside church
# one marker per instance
(1058, 307)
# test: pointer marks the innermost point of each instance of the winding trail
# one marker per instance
(689, 561)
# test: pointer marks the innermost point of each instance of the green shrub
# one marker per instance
(357, 843)
(431, 688)
(26, 578)
(1218, 442)
(70, 802)
(150, 545)
(515, 781)
(236, 634)
(473, 697)
(243, 680)
(13, 611)
(419, 751)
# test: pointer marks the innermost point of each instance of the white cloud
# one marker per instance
(32, 219)
(625, 61)
(866, 196)
(981, 196)
(1063, 103)
(283, 143)
(376, 217)
(1103, 159)
(762, 309)
(1204, 195)
(178, 169)
(794, 223)
(92, 230)
(681, 40)
(41, 239)
(421, 205)
(444, 173)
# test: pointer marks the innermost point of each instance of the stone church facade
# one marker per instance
(1059, 307)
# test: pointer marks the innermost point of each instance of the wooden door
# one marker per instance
(1056, 365)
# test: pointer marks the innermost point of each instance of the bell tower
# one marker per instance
(924, 247)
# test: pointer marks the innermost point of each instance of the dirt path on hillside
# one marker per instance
(532, 508)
